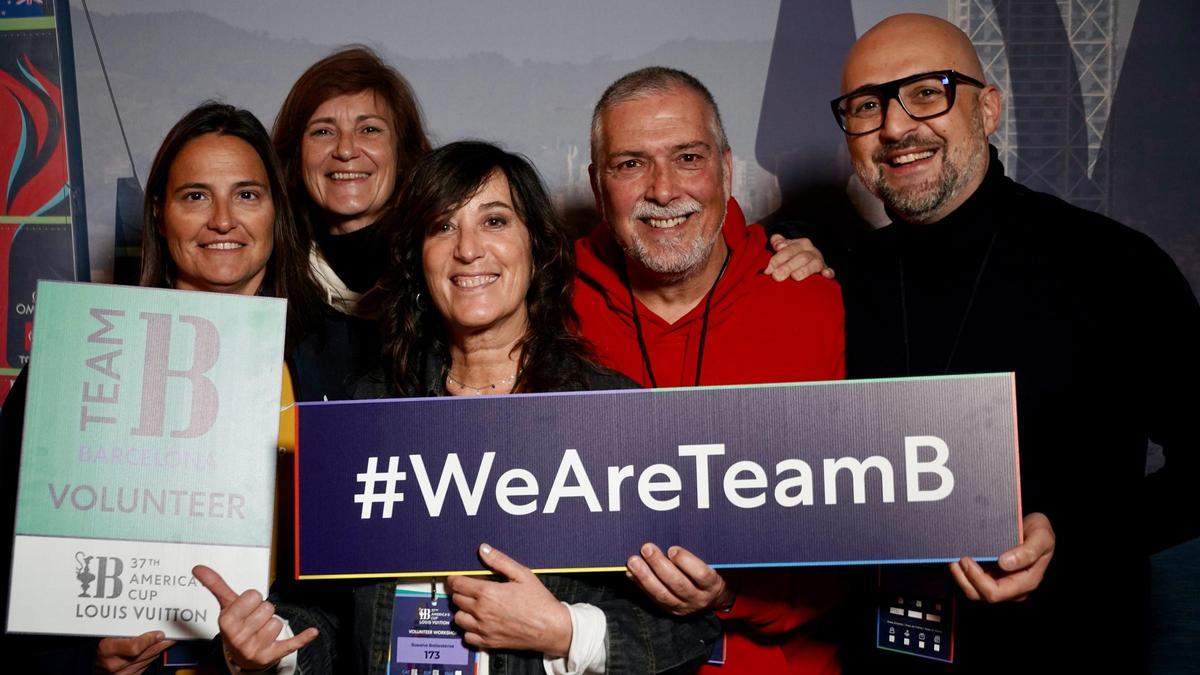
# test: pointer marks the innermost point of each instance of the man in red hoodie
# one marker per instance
(671, 292)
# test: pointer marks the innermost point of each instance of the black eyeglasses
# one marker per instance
(923, 96)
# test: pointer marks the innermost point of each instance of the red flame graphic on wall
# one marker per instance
(33, 164)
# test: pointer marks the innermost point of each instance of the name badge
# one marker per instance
(425, 640)
(915, 615)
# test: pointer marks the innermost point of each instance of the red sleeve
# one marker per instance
(836, 340)
(828, 322)
(778, 602)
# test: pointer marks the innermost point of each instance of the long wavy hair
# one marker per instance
(288, 274)
(349, 70)
(552, 356)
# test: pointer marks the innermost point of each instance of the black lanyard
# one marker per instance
(962, 324)
(637, 321)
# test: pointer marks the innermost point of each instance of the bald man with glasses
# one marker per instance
(977, 273)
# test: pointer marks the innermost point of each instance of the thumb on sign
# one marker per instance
(249, 627)
(215, 584)
(501, 564)
(515, 614)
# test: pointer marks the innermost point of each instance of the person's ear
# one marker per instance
(991, 107)
(597, 191)
(727, 161)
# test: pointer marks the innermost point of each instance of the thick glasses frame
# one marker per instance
(891, 90)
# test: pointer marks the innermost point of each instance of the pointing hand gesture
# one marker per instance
(249, 627)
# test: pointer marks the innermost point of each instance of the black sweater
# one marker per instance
(1103, 333)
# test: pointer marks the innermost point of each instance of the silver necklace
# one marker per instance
(487, 387)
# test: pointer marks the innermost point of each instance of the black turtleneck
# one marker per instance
(1099, 326)
(359, 258)
(939, 271)
(919, 290)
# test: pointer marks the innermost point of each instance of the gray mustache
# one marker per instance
(680, 207)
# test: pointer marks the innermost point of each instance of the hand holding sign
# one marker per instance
(249, 627)
(517, 614)
(129, 656)
(1022, 567)
(679, 582)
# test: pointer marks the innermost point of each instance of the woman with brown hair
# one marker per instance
(216, 219)
(348, 133)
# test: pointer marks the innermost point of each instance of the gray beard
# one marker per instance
(920, 204)
(680, 261)
(915, 205)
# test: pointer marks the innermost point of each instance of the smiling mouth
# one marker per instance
(909, 158)
(348, 175)
(222, 246)
(665, 223)
(474, 280)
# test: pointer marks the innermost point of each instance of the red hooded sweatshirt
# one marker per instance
(759, 331)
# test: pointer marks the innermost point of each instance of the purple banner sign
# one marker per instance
(874, 471)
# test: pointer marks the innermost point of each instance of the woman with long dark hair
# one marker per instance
(477, 301)
(422, 321)
(273, 263)
(216, 218)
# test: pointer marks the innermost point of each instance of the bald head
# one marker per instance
(925, 166)
(905, 44)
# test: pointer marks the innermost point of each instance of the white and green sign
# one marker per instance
(149, 447)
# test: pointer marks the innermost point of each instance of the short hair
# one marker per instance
(349, 70)
(648, 82)
(287, 273)
(552, 355)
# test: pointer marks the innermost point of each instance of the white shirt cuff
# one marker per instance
(589, 643)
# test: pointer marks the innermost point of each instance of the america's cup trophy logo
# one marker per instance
(82, 573)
